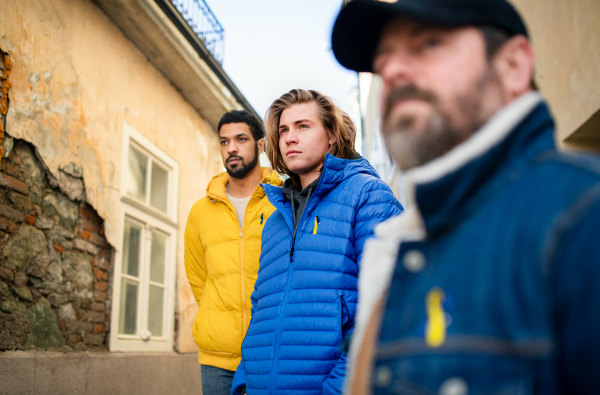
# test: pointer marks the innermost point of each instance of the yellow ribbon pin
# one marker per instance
(435, 329)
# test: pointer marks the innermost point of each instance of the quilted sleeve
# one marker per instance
(195, 264)
(377, 203)
(576, 275)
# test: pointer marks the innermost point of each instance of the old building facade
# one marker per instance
(108, 126)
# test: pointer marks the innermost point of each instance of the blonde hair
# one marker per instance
(336, 122)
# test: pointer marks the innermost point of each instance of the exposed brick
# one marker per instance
(98, 240)
(3, 223)
(92, 226)
(15, 158)
(99, 328)
(103, 263)
(101, 286)
(85, 234)
(100, 275)
(94, 316)
(84, 213)
(78, 327)
(11, 213)
(12, 228)
(74, 338)
(10, 168)
(83, 245)
(13, 183)
(106, 254)
(30, 219)
(58, 248)
(100, 296)
(94, 339)
(98, 306)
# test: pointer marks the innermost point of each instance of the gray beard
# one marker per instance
(411, 148)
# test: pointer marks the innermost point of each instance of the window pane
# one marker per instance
(155, 311)
(131, 249)
(128, 312)
(136, 181)
(157, 258)
(158, 188)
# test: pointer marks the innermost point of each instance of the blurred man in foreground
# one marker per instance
(222, 246)
(488, 283)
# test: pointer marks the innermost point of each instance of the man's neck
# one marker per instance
(308, 178)
(244, 187)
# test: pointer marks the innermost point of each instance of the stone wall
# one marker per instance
(55, 262)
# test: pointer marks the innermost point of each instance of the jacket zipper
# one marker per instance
(287, 288)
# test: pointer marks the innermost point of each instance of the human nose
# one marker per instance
(291, 137)
(232, 148)
(397, 69)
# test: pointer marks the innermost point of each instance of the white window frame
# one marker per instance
(151, 219)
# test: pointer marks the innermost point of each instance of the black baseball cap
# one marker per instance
(359, 25)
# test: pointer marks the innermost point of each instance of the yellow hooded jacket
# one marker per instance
(221, 261)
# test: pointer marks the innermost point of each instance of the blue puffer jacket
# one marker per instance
(305, 297)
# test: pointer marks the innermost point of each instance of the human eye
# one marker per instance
(303, 126)
(223, 142)
(242, 139)
(282, 131)
(430, 41)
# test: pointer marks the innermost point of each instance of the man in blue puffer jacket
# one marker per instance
(305, 297)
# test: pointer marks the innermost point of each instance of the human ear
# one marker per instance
(261, 145)
(514, 64)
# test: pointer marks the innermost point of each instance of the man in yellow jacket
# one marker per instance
(222, 247)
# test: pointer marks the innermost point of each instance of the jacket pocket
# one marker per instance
(344, 315)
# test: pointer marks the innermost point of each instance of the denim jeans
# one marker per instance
(216, 381)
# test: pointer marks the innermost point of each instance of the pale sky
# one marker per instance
(273, 46)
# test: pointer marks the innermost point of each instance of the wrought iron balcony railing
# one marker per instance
(204, 24)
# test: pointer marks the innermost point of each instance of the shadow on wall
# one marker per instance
(55, 262)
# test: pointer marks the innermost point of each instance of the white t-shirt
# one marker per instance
(240, 206)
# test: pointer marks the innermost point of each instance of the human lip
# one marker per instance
(233, 160)
(405, 101)
(292, 152)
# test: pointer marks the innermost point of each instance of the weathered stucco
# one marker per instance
(566, 38)
(75, 80)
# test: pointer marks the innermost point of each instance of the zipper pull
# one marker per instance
(241, 233)
(317, 222)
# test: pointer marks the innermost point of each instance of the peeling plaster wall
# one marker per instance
(566, 38)
(75, 80)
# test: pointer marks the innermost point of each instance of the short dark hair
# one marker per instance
(257, 128)
(495, 38)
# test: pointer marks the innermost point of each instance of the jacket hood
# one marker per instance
(335, 170)
(216, 188)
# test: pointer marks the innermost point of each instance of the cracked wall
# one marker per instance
(75, 81)
(55, 260)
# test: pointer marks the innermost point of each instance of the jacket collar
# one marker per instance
(216, 189)
(335, 170)
(443, 191)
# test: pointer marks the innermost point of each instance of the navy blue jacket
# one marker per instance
(305, 297)
(511, 265)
